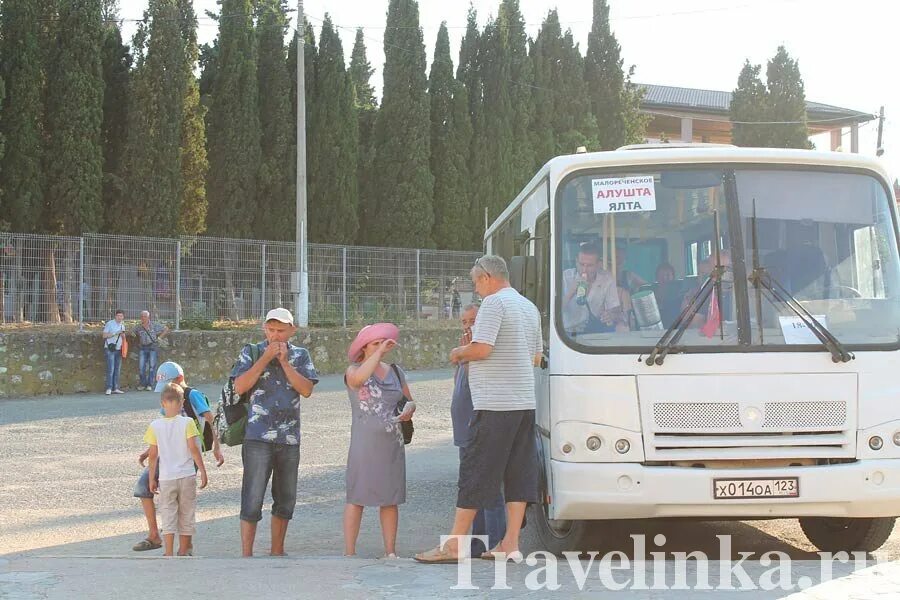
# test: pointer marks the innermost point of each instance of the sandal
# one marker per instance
(515, 555)
(146, 544)
(437, 556)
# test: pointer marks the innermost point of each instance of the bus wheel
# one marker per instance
(555, 536)
(834, 534)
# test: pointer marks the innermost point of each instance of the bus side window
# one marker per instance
(541, 248)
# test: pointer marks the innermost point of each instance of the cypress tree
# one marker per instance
(21, 69)
(234, 134)
(507, 80)
(274, 195)
(366, 110)
(116, 60)
(209, 54)
(403, 184)
(333, 133)
(749, 105)
(74, 156)
(469, 74)
(450, 136)
(786, 102)
(605, 79)
(153, 152)
(194, 164)
(563, 119)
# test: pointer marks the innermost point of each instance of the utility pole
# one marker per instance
(300, 280)
(879, 150)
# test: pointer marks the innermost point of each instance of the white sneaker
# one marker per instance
(108, 392)
(118, 392)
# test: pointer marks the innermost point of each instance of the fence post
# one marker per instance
(418, 286)
(81, 284)
(177, 285)
(344, 286)
(262, 301)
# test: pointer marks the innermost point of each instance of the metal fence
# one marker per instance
(192, 281)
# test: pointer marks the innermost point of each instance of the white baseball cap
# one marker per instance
(280, 314)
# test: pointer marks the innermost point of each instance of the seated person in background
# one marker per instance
(628, 280)
(704, 269)
(590, 298)
(668, 296)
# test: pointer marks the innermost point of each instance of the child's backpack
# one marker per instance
(231, 413)
(202, 424)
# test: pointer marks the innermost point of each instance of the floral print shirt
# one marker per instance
(376, 401)
(274, 409)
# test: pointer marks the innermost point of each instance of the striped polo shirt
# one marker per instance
(505, 380)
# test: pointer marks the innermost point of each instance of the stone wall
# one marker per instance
(46, 362)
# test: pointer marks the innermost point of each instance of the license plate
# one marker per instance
(744, 488)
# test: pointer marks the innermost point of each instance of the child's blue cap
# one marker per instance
(166, 373)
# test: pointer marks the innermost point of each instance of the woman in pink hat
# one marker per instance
(376, 462)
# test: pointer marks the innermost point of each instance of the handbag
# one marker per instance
(405, 426)
(125, 347)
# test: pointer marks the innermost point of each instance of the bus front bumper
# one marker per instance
(866, 488)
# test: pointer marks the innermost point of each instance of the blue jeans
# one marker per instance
(489, 521)
(113, 366)
(262, 460)
(142, 487)
(147, 366)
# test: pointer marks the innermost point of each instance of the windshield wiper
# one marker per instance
(761, 278)
(680, 325)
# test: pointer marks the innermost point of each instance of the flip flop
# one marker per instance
(146, 544)
(437, 556)
(492, 555)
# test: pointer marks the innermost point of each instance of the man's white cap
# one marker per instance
(280, 314)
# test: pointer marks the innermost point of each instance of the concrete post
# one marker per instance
(687, 129)
(177, 285)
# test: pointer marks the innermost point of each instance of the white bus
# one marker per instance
(733, 352)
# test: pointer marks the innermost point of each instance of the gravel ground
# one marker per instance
(69, 465)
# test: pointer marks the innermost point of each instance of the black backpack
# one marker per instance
(231, 412)
(207, 434)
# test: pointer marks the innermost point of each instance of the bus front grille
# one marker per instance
(730, 430)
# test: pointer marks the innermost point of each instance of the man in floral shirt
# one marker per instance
(271, 447)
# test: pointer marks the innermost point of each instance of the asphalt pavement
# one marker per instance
(68, 520)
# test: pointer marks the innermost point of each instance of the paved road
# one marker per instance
(68, 520)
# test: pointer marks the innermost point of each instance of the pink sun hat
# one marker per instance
(369, 334)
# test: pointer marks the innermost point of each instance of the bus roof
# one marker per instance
(658, 154)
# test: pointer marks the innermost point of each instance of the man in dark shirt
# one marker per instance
(490, 521)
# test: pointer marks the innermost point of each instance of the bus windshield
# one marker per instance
(635, 248)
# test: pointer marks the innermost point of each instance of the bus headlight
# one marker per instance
(875, 442)
(567, 448)
(897, 438)
(623, 446)
(594, 443)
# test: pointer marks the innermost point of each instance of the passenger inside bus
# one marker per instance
(668, 294)
(590, 296)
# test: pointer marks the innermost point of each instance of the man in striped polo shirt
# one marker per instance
(506, 345)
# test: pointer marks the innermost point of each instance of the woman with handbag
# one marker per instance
(376, 462)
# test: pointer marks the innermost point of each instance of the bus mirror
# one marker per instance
(522, 271)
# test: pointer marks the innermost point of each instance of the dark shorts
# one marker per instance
(263, 460)
(142, 487)
(501, 455)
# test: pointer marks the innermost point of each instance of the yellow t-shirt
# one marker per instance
(169, 435)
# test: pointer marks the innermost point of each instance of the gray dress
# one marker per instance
(376, 463)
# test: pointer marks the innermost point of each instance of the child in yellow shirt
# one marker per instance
(173, 446)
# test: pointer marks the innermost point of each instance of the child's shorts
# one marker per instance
(177, 504)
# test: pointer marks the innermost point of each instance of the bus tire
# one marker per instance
(836, 534)
(557, 537)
